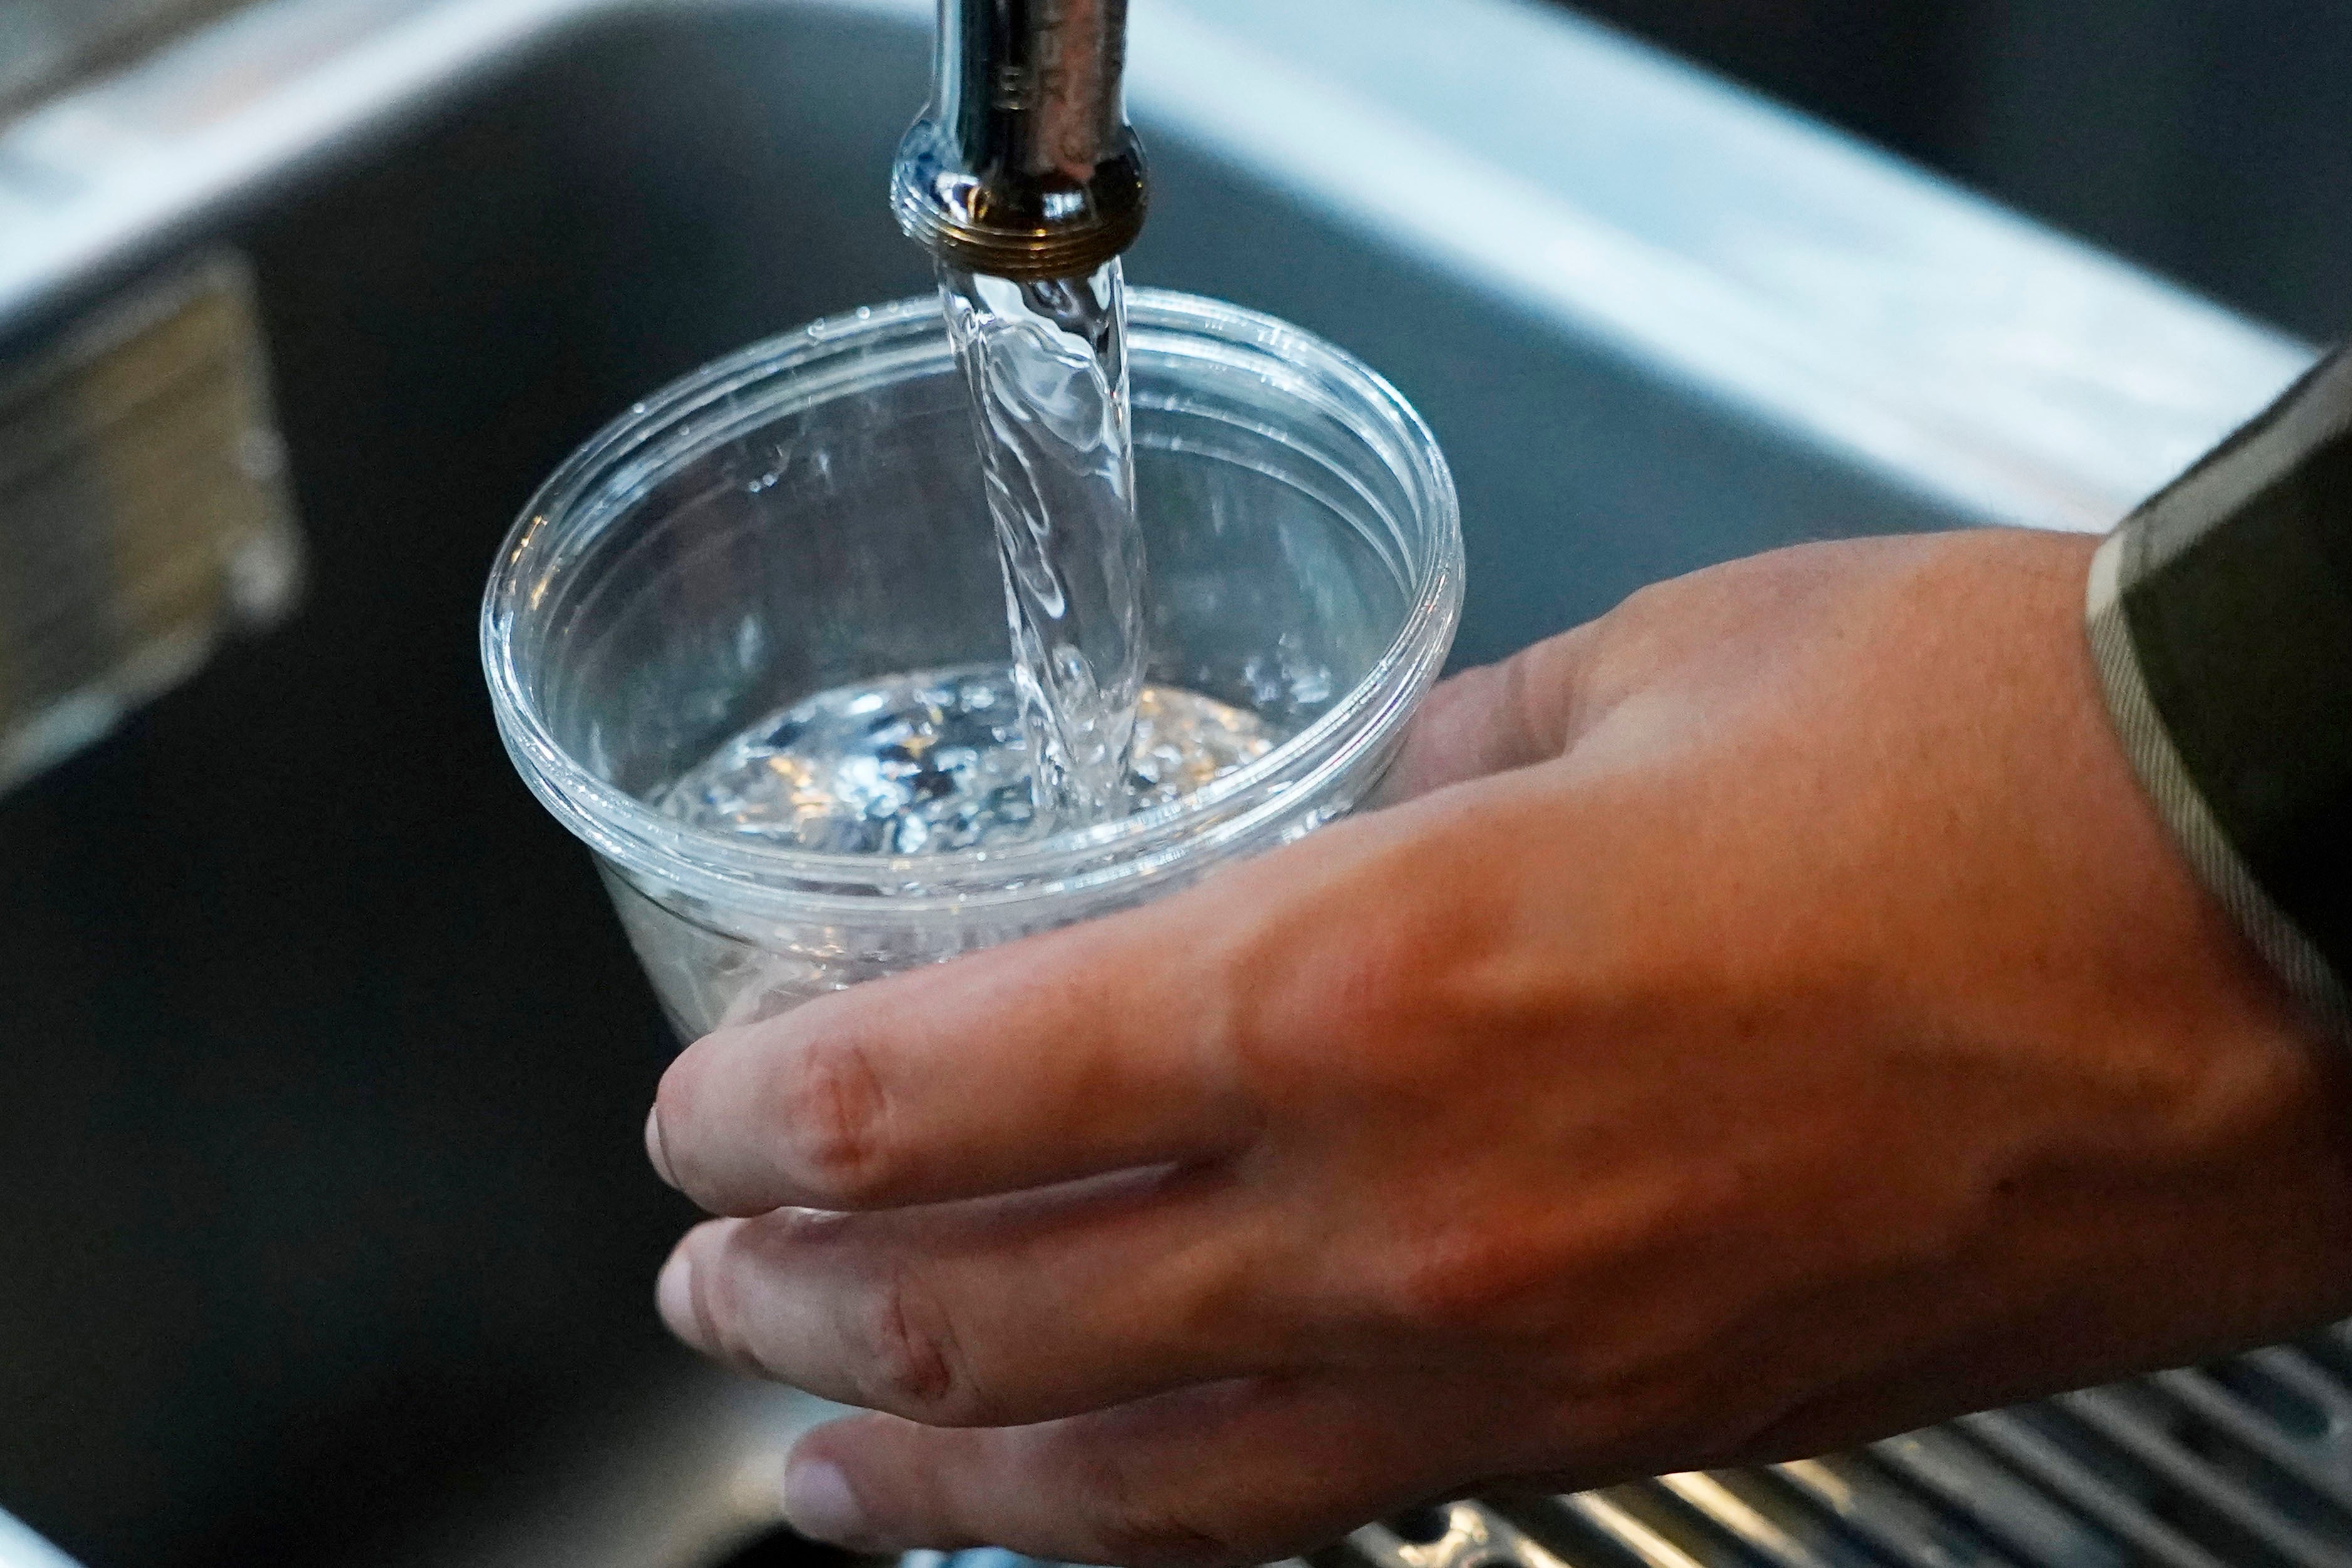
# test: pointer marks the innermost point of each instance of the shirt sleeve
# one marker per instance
(2220, 619)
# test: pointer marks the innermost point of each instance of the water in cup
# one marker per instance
(1064, 735)
(937, 760)
(750, 644)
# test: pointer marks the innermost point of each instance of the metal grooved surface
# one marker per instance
(2244, 1462)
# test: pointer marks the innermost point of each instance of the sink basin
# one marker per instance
(325, 1234)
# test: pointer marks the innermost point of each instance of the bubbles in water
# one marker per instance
(934, 761)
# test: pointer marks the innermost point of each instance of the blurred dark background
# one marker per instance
(2209, 140)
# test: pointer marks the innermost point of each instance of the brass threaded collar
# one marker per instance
(1110, 216)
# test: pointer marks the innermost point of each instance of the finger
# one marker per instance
(1490, 719)
(1234, 1473)
(1093, 1048)
(1009, 1312)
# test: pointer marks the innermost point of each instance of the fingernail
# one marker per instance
(674, 1297)
(819, 1504)
(654, 1147)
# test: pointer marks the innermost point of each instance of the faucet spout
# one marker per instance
(1023, 165)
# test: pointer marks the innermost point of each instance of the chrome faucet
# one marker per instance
(1023, 165)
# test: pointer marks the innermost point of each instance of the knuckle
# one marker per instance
(911, 1362)
(1650, 603)
(1288, 979)
(1457, 1285)
(1374, 982)
(1161, 1540)
(716, 1286)
(1134, 1526)
(836, 1117)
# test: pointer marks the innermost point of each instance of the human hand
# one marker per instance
(1770, 1018)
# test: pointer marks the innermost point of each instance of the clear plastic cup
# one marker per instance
(808, 514)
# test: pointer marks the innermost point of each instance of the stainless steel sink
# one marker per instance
(323, 1232)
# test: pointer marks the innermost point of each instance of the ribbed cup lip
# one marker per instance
(594, 491)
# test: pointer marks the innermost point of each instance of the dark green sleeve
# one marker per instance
(2220, 615)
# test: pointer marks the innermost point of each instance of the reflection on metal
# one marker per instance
(2246, 1462)
(1752, 255)
(1022, 164)
(105, 175)
(143, 509)
(20, 1548)
(684, 1477)
(46, 43)
(1747, 251)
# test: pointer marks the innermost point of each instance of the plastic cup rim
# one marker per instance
(648, 844)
